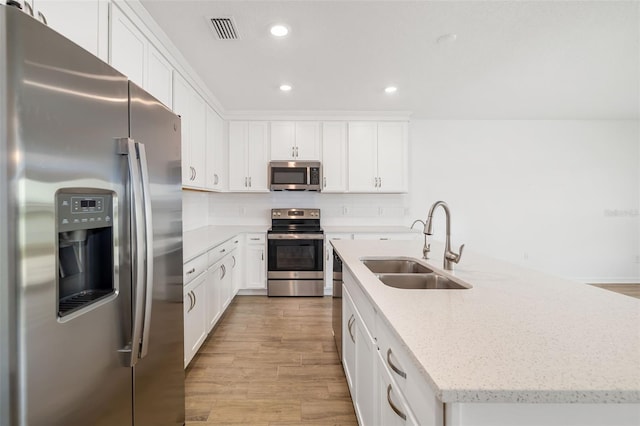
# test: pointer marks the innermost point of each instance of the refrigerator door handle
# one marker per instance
(127, 147)
(148, 239)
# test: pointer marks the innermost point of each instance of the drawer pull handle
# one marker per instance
(395, 409)
(349, 324)
(223, 250)
(254, 239)
(191, 271)
(393, 367)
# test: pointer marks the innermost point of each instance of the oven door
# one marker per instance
(295, 256)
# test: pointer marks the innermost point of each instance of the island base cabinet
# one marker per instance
(506, 414)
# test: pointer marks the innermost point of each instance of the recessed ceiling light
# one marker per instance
(279, 30)
(391, 89)
(285, 88)
(447, 38)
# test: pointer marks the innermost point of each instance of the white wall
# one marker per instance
(561, 196)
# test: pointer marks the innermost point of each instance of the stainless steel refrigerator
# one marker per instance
(91, 322)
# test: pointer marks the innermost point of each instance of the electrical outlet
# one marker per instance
(638, 259)
(526, 256)
(345, 211)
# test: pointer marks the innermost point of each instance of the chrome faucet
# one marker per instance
(449, 257)
(427, 247)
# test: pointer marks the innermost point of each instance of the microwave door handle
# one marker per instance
(148, 240)
(128, 147)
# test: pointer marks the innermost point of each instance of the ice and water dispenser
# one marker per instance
(85, 248)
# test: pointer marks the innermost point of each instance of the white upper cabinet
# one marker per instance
(128, 47)
(334, 156)
(216, 149)
(132, 54)
(248, 156)
(298, 140)
(378, 157)
(83, 22)
(191, 108)
(159, 76)
(363, 157)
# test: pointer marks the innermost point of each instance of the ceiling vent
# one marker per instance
(225, 28)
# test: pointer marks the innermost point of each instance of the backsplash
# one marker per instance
(202, 209)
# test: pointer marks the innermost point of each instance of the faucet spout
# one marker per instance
(427, 247)
(449, 256)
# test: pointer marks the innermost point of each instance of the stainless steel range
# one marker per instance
(295, 246)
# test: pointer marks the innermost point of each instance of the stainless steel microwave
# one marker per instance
(295, 175)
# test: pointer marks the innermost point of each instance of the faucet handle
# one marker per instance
(455, 257)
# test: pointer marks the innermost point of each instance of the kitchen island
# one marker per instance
(519, 347)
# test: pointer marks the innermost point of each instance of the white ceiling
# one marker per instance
(512, 59)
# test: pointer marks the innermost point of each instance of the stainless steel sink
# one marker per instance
(395, 266)
(420, 282)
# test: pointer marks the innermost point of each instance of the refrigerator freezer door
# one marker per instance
(159, 373)
(65, 108)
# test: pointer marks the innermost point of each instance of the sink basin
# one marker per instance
(395, 266)
(420, 282)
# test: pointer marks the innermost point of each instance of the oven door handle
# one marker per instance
(295, 236)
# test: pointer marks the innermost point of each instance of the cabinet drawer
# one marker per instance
(404, 372)
(394, 408)
(256, 238)
(220, 251)
(193, 268)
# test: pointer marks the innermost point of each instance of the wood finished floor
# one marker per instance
(270, 362)
(632, 290)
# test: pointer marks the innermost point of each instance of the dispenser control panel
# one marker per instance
(80, 210)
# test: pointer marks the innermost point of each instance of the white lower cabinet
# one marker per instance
(255, 262)
(359, 350)
(349, 340)
(208, 292)
(195, 310)
(214, 284)
(386, 387)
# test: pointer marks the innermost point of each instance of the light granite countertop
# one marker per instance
(518, 335)
(199, 241)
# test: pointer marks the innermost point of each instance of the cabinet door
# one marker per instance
(181, 105)
(283, 134)
(214, 275)
(365, 375)
(255, 267)
(362, 157)
(197, 149)
(334, 157)
(216, 152)
(238, 140)
(392, 157)
(258, 158)
(128, 47)
(237, 272)
(83, 22)
(349, 340)
(307, 140)
(159, 77)
(226, 289)
(194, 316)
